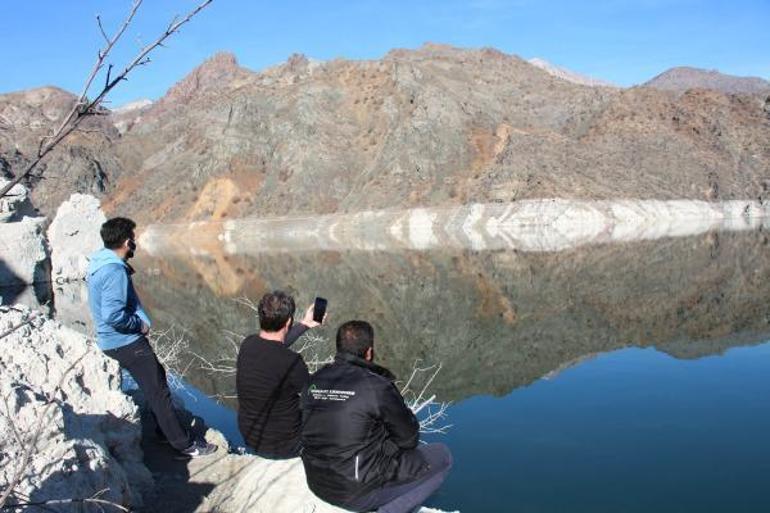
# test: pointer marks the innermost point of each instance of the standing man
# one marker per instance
(270, 377)
(122, 327)
(359, 437)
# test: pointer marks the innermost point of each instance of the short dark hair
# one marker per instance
(355, 337)
(116, 231)
(275, 308)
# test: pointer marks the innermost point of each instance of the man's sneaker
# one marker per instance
(198, 449)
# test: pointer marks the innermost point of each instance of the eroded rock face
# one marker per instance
(64, 393)
(23, 253)
(73, 236)
(431, 127)
(16, 204)
(84, 162)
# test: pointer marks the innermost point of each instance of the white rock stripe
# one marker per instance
(531, 225)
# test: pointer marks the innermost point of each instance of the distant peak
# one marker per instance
(682, 78)
(222, 60)
(132, 106)
(568, 75)
(217, 72)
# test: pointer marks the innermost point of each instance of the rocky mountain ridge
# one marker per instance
(427, 127)
(567, 74)
(682, 78)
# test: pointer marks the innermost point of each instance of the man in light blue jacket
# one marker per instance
(122, 327)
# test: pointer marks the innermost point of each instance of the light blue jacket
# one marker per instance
(115, 307)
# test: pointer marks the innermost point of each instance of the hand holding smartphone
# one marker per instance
(319, 309)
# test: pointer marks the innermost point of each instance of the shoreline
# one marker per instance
(546, 225)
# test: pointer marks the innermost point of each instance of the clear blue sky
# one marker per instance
(53, 42)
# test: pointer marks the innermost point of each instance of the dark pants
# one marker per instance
(140, 361)
(406, 496)
(293, 452)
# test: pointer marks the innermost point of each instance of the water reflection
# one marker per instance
(496, 320)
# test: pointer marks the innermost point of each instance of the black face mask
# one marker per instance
(131, 249)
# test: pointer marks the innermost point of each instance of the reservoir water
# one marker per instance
(616, 377)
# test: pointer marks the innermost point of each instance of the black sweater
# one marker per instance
(268, 381)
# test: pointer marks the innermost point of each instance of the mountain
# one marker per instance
(85, 162)
(430, 126)
(681, 79)
(568, 75)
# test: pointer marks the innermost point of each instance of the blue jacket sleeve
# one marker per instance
(114, 303)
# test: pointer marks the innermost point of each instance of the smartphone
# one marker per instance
(319, 309)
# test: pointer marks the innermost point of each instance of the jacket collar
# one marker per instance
(360, 362)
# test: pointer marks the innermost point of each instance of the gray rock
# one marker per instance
(73, 236)
(16, 204)
(63, 393)
(23, 253)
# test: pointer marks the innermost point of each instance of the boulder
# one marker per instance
(63, 405)
(72, 306)
(73, 236)
(16, 204)
(23, 253)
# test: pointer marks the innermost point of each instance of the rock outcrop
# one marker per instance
(23, 250)
(16, 204)
(73, 235)
(245, 483)
(85, 162)
(66, 410)
(23, 253)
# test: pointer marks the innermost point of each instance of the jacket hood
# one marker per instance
(341, 357)
(101, 258)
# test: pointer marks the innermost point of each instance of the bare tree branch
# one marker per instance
(94, 499)
(83, 107)
(101, 29)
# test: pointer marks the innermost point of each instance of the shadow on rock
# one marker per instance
(176, 489)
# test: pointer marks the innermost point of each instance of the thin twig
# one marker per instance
(94, 499)
(82, 107)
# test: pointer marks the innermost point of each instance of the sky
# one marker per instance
(55, 42)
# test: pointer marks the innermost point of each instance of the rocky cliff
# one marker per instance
(427, 127)
(84, 163)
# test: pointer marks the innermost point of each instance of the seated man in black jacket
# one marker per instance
(360, 439)
(269, 378)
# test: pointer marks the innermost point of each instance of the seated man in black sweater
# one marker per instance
(270, 377)
(360, 439)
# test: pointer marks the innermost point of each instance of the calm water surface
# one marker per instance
(628, 377)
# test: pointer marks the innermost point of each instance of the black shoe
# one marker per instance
(198, 449)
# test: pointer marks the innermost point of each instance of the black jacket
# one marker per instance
(357, 432)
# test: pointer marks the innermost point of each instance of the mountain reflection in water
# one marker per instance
(653, 418)
(495, 320)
